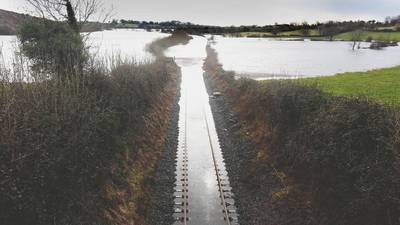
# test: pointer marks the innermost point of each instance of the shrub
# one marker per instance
(54, 48)
(63, 144)
(353, 159)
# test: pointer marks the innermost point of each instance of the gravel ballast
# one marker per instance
(237, 152)
(163, 188)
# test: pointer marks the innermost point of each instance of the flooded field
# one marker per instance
(109, 44)
(266, 58)
(8, 45)
(258, 58)
(124, 43)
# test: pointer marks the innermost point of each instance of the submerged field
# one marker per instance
(270, 58)
(381, 85)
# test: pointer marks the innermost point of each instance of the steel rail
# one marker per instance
(185, 177)
(226, 214)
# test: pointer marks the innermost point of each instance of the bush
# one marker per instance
(353, 160)
(53, 48)
(340, 152)
(63, 144)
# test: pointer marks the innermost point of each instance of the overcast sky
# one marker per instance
(246, 12)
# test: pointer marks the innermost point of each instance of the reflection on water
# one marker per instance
(265, 57)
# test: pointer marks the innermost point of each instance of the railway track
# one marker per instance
(181, 186)
(224, 188)
(183, 194)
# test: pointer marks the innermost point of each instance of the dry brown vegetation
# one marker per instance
(83, 153)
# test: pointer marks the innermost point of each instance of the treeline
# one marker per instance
(81, 143)
(395, 20)
(11, 21)
(320, 160)
(329, 28)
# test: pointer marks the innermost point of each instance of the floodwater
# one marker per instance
(127, 44)
(124, 44)
(268, 58)
(8, 47)
(258, 58)
(197, 140)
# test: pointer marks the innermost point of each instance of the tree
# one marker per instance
(73, 23)
(76, 12)
(55, 49)
(329, 29)
(54, 44)
(305, 31)
(356, 38)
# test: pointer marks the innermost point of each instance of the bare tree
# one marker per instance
(356, 38)
(76, 12)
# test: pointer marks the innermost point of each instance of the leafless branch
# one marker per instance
(85, 10)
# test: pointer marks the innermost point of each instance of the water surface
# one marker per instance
(8, 48)
(273, 58)
(199, 137)
(122, 43)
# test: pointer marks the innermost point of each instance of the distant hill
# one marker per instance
(9, 21)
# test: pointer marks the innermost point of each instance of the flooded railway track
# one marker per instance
(203, 195)
(182, 192)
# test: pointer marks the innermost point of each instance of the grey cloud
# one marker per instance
(235, 12)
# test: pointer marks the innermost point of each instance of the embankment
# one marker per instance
(299, 156)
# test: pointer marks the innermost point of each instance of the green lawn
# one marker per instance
(375, 35)
(313, 32)
(296, 33)
(254, 34)
(381, 85)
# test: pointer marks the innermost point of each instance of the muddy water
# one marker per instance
(197, 188)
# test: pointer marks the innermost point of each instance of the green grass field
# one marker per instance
(312, 33)
(296, 33)
(249, 34)
(381, 85)
(374, 35)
